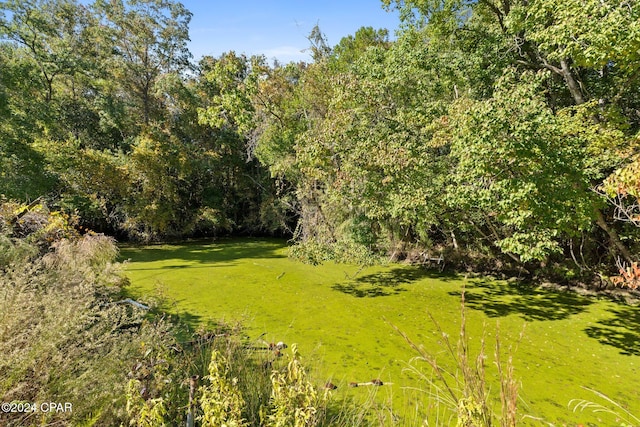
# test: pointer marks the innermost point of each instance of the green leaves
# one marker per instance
(145, 39)
(221, 401)
(518, 165)
(489, 121)
(53, 33)
(230, 81)
(294, 400)
(592, 33)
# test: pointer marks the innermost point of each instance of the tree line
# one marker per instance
(504, 134)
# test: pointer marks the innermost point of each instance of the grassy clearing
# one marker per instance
(337, 314)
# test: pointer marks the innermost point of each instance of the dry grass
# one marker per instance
(462, 395)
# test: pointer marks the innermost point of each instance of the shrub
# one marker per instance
(63, 335)
(221, 401)
(294, 400)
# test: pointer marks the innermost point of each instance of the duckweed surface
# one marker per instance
(340, 316)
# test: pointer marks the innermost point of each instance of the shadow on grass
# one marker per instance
(385, 283)
(620, 331)
(186, 323)
(212, 251)
(498, 299)
(194, 321)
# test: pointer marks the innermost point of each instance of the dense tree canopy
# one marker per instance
(500, 133)
(100, 115)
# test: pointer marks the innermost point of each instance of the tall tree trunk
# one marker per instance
(572, 83)
(145, 105)
(613, 235)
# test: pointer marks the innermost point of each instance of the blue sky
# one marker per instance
(278, 28)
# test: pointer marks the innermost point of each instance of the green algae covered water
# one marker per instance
(341, 317)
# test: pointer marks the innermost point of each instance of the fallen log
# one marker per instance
(375, 381)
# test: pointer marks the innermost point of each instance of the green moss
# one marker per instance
(338, 315)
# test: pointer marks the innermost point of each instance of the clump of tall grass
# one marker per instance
(462, 396)
(63, 337)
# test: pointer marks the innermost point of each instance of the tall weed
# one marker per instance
(624, 418)
(463, 395)
(62, 336)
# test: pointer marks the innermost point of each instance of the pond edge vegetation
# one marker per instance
(489, 137)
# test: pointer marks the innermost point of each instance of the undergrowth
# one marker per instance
(69, 334)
